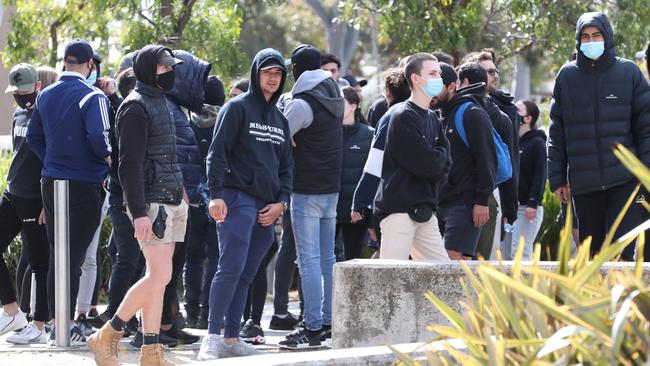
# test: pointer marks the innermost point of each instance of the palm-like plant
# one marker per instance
(578, 313)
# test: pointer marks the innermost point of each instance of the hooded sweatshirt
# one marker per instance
(532, 153)
(596, 105)
(473, 171)
(251, 148)
(315, 117)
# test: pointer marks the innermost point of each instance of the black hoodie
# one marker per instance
(596, 105)
(532, 178)
(251, 149)
(473, 171)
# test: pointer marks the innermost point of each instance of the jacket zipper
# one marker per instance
(597, 121)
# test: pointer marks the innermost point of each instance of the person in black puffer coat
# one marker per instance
(599, 100)
(357, 138)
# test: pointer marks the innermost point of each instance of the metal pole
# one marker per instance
(61, 262)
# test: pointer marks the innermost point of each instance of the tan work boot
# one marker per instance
(104, 345)
(152, 355)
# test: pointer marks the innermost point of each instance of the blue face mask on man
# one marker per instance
(433, 87)
(593, 50)
(92, 78)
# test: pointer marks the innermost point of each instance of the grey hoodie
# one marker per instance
(298, 111)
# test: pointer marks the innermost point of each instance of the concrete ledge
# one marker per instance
(379, 302)
(375, 356)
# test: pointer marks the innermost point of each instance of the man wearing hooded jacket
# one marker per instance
(599, 101)
(315, 115)
(249, 169)
(153, 191)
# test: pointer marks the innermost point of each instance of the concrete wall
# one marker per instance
(6, 101)
(379, 302)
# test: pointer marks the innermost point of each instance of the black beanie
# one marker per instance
(214, 91)
(304, 58)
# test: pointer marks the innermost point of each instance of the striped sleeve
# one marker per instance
(94, 109)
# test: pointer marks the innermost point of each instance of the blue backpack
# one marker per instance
(504, 165)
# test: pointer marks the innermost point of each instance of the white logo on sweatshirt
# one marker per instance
(266, 133)
(20, 131)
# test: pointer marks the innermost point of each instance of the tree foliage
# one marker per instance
(209, 29)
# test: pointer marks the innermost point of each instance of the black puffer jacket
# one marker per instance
(357, 140)
(532, 150)
(596, 105)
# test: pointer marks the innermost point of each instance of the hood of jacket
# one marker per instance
(318, 84)
(600, 21)
(189, 82)
(145, 62)
(475, 93)
(533, 134)
(207, 118)
(254, 90)
(502, 97)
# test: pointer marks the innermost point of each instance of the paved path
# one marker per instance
(43, 355)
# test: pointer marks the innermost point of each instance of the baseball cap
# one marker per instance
(354, 82)
(448, 73)
(306, 56)
(166, 58)
(80, 49)
(271, 63)
(22, 77)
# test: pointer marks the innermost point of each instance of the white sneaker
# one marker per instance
(9, 323)
(29, 335)
(209, 347)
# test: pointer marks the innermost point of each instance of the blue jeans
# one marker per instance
(243, 243)
(314, 225)
(201, 239)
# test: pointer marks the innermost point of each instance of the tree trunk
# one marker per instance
(342, 38)
(521, 78)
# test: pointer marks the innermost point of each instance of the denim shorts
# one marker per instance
(457, 228)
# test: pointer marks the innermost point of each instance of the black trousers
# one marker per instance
(285, 266)
(85, 204)
(597, 212)
(353, 239)
(20, 215)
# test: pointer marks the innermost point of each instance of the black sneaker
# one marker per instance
(77, 338)
(181, 336)
(287, 323)
(307, 339)
(252, 333)
(297, 333)
(131, 327)
(82, 323)
(100, 320)
(202, 323)
(191, 319)
(327, 332)
(164, 340)
(92, 313)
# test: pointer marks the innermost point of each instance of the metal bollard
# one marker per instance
(32, 296)
(61, 264)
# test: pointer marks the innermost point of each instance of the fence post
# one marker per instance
(61, 265)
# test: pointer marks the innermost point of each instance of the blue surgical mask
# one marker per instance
(92, 78)
(593, 50)
(433, 87)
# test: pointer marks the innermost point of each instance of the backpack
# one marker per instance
(504, 165)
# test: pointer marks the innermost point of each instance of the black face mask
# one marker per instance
(166, 81)
(25, 101)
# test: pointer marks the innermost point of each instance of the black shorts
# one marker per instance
(457, 228)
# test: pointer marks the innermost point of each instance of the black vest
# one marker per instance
(318, 153)
(163, 180)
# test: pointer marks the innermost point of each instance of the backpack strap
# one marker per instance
(458, 121)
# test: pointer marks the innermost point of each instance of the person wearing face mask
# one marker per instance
(416, 163)
(153, 190)
(532, 150)
(464, 197)
(21, 213)
(68, 131)
(599, 101)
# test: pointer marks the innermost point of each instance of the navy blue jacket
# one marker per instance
(68, 130)
(251, 148)
(188, 92)
(596, 105)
